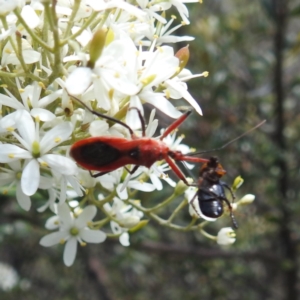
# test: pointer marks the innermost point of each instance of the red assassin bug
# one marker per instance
(211, 190)
(106, 154)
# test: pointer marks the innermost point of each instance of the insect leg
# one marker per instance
(230, 190)
(193, 205)
(98, 174)
(133, 170)
(141, 119)
(175, 124)
(176, 170)
(234, 222)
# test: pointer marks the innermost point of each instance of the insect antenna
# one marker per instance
(102, 115)
(228, 143)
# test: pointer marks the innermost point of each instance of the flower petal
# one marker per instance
(161, 103)
(55, 136)
(43, 114)
(9, 153)
(30, 16)
(70, 252)
(86, 216)
(181, 87)
(10, 102)
(52, 223)
(122, 192)
(25, 126)
(23, 200)
(124, 239)
(52, 238)
(63, 211)
(92, 236)
(30, 56)
(141, 186)
(156, 182)
(79, 80)
(59, 163)
(43, 102)
(30, 179)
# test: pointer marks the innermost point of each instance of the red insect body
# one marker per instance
(105, 154)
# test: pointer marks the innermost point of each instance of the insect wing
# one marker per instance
(93, 153)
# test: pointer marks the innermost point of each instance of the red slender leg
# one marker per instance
(175, 124)
(176, 170)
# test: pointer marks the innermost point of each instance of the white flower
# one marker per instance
(109, 73)
(9, 56)
(176, 88)
(131, 182)
(183, 11)
(164, 34)
(174, 143)
(12, 177)
(8, 277)
(99, 5)
(191, 195)
(226, 236)
(6, 6)
(31, 100)
(36, 149)
(127, 216)
(73, 229)
(149, 70)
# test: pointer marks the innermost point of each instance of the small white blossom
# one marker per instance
(247, 199)
(6, 6)
(9, 56)
(226, 236)
(35, 151)
(12, 177)
(73, 230)
(127, 216)
(8, 277)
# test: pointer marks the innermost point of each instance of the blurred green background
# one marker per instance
(251, 51)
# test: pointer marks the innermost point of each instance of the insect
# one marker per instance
(107, 153)
(211, 191)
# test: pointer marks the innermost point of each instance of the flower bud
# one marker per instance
(96, 46)
(180, 188)
(247, 199)
(130, 221)
(139, 226)
(238, 181)
(226, 236)
(183, 55)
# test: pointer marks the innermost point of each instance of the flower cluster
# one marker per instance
(111, 56)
